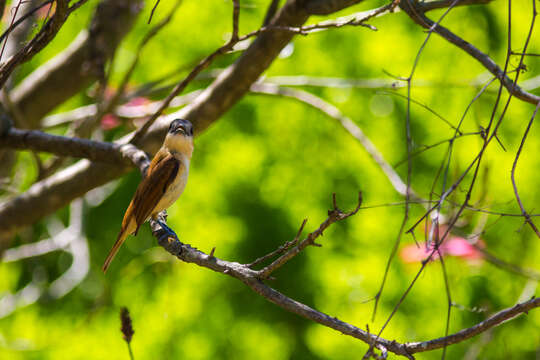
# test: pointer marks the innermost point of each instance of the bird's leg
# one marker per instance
(168, 231)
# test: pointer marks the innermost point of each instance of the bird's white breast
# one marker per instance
(176, 188)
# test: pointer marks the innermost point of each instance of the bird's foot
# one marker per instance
(169, 233)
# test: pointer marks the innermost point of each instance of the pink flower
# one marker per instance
(109, 121)
(138, 101)
(453, 246)
(460, 247)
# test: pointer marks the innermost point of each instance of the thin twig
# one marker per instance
(416, 13)
(42, 38)
(334, 215)
(353, 129)
(107, 106)
(279, 250)
(514, 165)
(513, 175)
(13, 25)
(203, 64)
(409, 179)
(153, 9)
(235, 38)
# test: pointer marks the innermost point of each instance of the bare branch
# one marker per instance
(416, 14)
(54, 243)
(203, 64)
(61, 188)
(408, 193)
(91, 49)
(441, 4)
(72, 240)
(125, 111)
(123, 155)
(513, 174)
(21, 19)
(279, 250)
(270, 12)
(152, 12)
(52, 193)
(104, 105)
(251, 278)
(504, 265)
(47, 33)
(492, 321)
(347, 123)
(58, 190)
(334, 215)
(275, 27)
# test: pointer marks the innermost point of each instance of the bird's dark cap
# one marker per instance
(181, 126)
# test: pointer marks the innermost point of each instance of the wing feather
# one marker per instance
(161, 174)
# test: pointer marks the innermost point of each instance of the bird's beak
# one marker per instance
(180, 130)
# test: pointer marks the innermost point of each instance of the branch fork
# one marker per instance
(334, 215)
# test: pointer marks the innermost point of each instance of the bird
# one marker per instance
(165, 181)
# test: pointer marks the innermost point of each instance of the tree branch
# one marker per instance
(416, 14)
(492, 321)
(442, 4)
(52, 193)
(58, 190)
(90, 50)
(61, 188)
(526, 215)
(252, 279)
(46, 34)
(280, 250)
(355, 131)
(334, 215)
(120, 154)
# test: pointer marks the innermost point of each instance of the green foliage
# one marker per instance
(271, 162)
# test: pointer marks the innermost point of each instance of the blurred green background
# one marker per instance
(269, 163)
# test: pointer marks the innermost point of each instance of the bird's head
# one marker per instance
(180, 137)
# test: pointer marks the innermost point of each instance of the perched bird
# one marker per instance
(164, 182)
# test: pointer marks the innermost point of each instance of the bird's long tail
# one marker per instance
(119, 241)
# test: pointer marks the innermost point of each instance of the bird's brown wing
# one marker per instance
(161, 173)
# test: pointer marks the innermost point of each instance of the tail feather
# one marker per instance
(119, 241)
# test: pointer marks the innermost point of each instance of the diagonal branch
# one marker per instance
(21, 19)
(353, 129)
(46, 34)
(280, 250)
(334, 215)
(416, 14)
(90, 50)
(526, 215)
(492, 321)
(252, 279)
(203, 64)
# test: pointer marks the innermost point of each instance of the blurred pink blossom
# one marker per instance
(453, 246)
(138, 101)
(109, 121)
